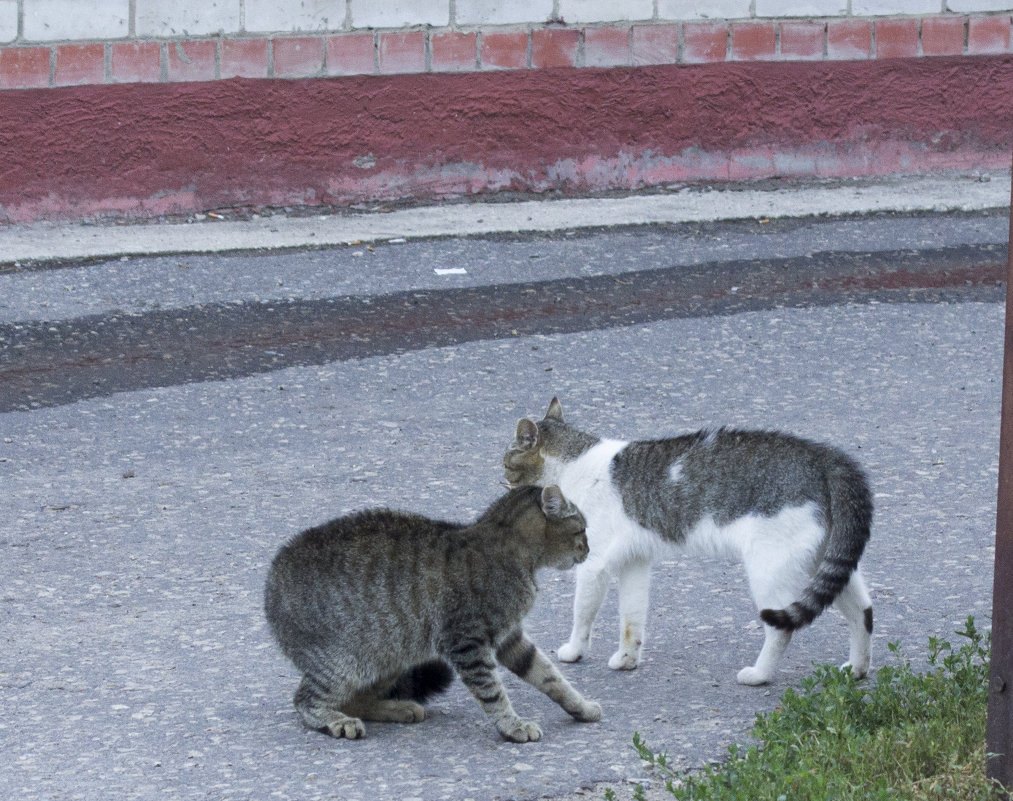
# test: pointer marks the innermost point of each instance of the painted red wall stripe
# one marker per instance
(64, 152)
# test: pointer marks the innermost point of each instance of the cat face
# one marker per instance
(524, 461)
(565, 540)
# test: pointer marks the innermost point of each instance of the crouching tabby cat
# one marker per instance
(370, 608)
(796, 512)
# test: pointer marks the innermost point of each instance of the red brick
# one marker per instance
(298, 57)
(24, 67)
(754, 41)
(896, 38)
(244, 58)
(849, 39)
(454, 52)
(656, 44)
(607, 47)
(136, 62)
(191, 61)
(351, 54)
(403, 52)
(505, 50)
(943, 36)
(802, 40)
(988, 35)
(704, 41)
(80, 64)
(554, 47)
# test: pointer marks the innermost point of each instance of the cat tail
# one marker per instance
(422, 682)
(849, 520)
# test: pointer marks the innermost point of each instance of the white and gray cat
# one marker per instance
(797, 513)
(372, 606)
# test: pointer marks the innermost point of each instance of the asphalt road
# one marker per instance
(167, 422)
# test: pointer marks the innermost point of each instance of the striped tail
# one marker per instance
(849, 520)
(422, 682)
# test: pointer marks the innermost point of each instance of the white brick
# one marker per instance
(810, 8)
(305, 15)
(502, 12)
(192, 17)
(584, 11)
(979, 5)
(50, 20)
(695, 9)
(873, 8)
(399, 13)
(8, 20)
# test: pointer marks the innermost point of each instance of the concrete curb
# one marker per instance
(50, 241)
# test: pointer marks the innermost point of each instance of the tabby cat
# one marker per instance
(372, 606)
(797, 513)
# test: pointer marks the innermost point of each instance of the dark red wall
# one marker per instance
(145, 149)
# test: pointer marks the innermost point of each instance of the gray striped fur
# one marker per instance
(372, 607)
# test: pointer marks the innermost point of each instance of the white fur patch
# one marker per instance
(778, 552)
(614, 539)
(675, 471)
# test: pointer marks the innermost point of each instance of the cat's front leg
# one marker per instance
(521, 656)
(592, 582)
(476, 665)
(634, 590)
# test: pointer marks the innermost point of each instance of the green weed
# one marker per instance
(905, 736)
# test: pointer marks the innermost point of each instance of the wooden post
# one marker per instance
(999, 730)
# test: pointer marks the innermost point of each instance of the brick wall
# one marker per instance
(144, 107)
(49, 43)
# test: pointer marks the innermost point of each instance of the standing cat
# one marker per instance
(796, 512)
(364, 604)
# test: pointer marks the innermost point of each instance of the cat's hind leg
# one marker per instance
(368, 705)
(318, 706)
(634, 590)
(775, 641)
(522, 657)
(776, 576)
(592, 582)
(856, 606)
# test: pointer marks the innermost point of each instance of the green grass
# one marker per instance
(904, 735)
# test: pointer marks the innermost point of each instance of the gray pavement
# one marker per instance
(272, 229)
(136, 527)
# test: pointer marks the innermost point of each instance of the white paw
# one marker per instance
(752, 677)
(521, 732)
(856, 671)
(621, 660)
(569, 653)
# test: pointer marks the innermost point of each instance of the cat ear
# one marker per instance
(555, 411)
(526, 437)
(553, 502)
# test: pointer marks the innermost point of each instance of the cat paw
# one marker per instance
(752, 677)
(347, 728)
(621, 660)
(856, 671)
(521, 732)
(408, 712)
(589, 712)
(569, 653)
